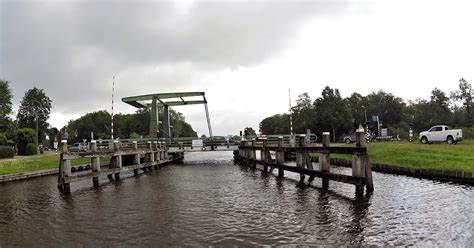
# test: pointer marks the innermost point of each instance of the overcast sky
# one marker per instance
(244, 55)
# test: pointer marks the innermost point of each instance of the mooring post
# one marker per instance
(280, 157)
(95, 163)
(300, 155)
(324, 158)
(156, 148)
(309, 162)
(359, 162)
(253, 153)
(136, 157)
(241, 156)
(118, 159)
(165, 151)
(149, 156)
(162, 153)
(263, 155)
(64, 168)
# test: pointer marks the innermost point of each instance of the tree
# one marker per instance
(97, 122)
(465, 95)
(276, 124)
(440, 108)
(35, 104)
(249, 131)
(303, 113)
(5, 105)
(388, 107)
(358, 108)
(332, 113)
(24, 137)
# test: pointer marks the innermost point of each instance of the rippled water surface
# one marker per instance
(208, 200)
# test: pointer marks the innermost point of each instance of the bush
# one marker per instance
(6, 152)
(3, 139)
(467, 132)
(31, 149)
(23, 137)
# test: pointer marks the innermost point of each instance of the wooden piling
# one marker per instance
(156, 150)
(359, 162)
(300, 156)
(118, 159)
(253, 154)
(64, 168)
(280, 157)
(136, 157)
(264, 155)
(95, 163)
(324, 158)
(165, 151)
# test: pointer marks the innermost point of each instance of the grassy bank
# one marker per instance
(438, 156)
(33, 163)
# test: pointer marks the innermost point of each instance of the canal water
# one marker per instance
(207, 200)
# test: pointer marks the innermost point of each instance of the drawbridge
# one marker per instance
(161, 130)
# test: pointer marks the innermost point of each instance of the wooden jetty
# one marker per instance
(143, 157)
(361, 171)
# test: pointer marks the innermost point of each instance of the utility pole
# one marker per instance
(289, 112)
(112, 124)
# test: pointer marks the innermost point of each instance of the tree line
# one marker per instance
(126, 126)
(34, 111)
(341, 116)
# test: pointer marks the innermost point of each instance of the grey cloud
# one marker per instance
(71, 49)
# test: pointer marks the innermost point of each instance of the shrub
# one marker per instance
(467, 132)
(6, 152)
(31, 149)
(3, 139)
(23, 137)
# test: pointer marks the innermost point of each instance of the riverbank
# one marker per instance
(436, 161)
(438, 156)
(40, 162)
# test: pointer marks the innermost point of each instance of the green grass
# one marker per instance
(439, 156)
(33, 163)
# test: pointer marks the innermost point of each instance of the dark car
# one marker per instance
(216, 141)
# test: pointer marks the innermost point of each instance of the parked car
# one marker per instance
(216, 141)
(441, 133)
(369, 136)
(78, 147)
(349, 139)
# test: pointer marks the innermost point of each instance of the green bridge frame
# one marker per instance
(166, 100)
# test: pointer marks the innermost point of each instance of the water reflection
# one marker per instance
(208, 200)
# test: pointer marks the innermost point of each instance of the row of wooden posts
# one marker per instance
(361, 170)
(155, 154)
